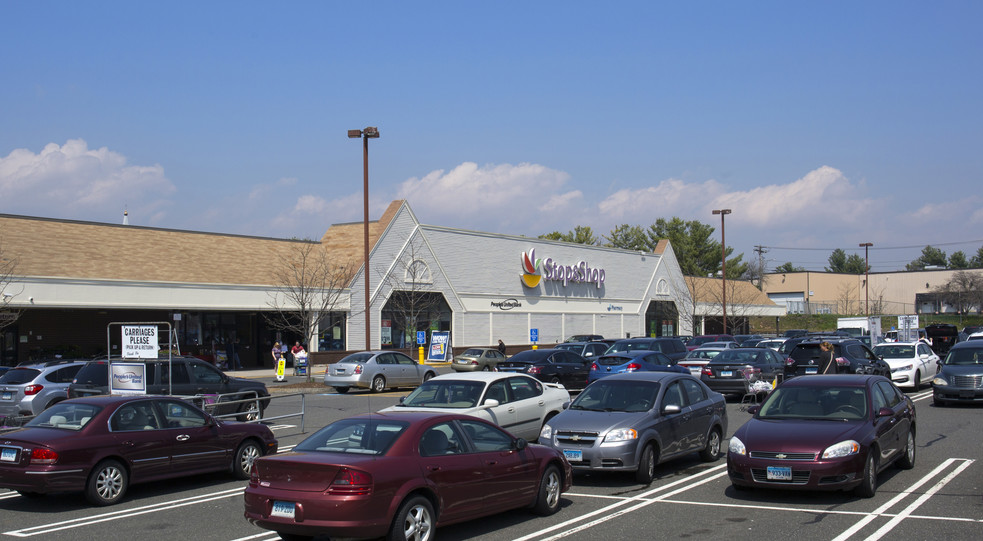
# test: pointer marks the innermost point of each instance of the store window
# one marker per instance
(331, 332)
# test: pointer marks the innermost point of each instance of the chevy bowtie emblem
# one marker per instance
(575, 437)
(780, 456)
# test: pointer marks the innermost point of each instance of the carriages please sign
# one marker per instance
(139, 342)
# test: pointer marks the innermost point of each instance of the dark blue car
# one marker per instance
(638, 360)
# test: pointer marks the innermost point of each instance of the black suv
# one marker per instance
(852, 357)
(189, 376)
(674, 348)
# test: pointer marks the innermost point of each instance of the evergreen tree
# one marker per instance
(958, 261)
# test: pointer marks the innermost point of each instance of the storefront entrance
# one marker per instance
(661, 319)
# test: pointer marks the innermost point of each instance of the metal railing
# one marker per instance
(209, 402)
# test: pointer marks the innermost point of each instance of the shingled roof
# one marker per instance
(89, 250)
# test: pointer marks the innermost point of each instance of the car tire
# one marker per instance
(712, 450)
(868, 482)
(740, 488)
(646, 465)
(250, 411)
(548, 500)
(907, 460)
(242, 462)
(414, 520)
(429, 376)
(917, 384)
(341, 390)
(555, 380)
(486, 368)
(107, 483)
(378, 384)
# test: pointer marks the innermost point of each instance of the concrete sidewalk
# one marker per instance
(270, 373)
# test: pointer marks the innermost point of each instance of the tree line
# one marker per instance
(931, 257)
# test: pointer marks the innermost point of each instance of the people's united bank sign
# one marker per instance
(536, 270)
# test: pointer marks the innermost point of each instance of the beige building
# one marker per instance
(889, 293)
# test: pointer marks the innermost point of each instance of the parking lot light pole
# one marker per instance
(365, 135)
(866, 246)
(723, 261)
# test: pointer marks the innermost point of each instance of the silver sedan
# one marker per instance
(377, 371)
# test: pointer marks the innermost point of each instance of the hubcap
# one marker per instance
(417, 525)
(109, 483)
(249, 454)
(714, 444)
(553, 489)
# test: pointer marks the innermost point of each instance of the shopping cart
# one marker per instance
(300, 364)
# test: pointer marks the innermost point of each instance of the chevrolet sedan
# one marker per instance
(102, 445)
(400, 475)
(824, 433)
(515, 402)
(376, 371)
(634, 421)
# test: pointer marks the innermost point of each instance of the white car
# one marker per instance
(912, 363)
(976, 336)
(699, 357)
(518, 403)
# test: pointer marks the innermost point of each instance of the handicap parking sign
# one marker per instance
(534, 335)
(421, 337)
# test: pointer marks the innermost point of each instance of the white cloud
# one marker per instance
(491, 197)
(74, 181)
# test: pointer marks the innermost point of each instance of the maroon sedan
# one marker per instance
(101, 445)
(824, 433)
(401, 475)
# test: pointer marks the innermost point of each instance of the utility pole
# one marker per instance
(761, 251)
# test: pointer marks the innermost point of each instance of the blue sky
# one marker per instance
(820, 124)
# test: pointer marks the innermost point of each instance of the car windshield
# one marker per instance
(570, 347)
(625, 345)
(18, 376)
(813, 402)
(64, 415)
(894, 352)
(445, 393)
(703, 354)
(356, 358)
(618, 395)
(365, 436)
(965, 356)
(472, 352)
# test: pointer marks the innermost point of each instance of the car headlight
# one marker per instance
(736, 446)
(621, 434)
(842, 449)
(939, 380)
(904, 368)
(546, 433)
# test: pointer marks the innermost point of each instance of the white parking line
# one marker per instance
(638, 498)
(127, 513)
(922, 396)
(902, 495)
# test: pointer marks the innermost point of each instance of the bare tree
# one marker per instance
(742, 302)
(688, 301)
(964, 291)
(7, 268)
(309, 286)
(848, 297)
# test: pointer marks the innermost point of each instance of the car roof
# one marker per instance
(900, 343)
(967, 344)
(475, 376)
(645, 376)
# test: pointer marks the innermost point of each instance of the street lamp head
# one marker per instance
(866, 244)
(722, 211)
(354, 134)
(370, 133)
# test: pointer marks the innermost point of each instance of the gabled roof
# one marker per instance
(89, 250)
(708, 290)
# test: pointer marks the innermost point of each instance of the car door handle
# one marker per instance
(491, 462)
(433, 468)
(183, 437)
(542, 402)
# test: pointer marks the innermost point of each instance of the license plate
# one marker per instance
(282, 509)
(695, 371)
(967, 394)
(574, 455)
(8, 455)
(778, 473)
(7, 395)
(726, 373)
(812, 370)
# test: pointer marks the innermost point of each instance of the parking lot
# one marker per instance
(941, 497)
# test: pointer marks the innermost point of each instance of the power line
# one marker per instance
(878, 248)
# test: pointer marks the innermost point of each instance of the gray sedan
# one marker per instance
(634, 421)
(377, 371)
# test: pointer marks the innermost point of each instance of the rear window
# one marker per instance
(612, 360)
(473, 352)
(735, 357)
(363, 436)
(19, 376)
(356, 358)
(805, 352)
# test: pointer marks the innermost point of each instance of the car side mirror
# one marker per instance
(519, 444)
(566, 405)
(490, 403)
(753, 409)
(401, 399)
(671, 409)
(885, 412)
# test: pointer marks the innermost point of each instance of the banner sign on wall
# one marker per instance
(439, 346)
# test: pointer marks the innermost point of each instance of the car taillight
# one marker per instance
(43, 456)
(594, 367)
(358, 369)
(474, 362)
(33, 389)
(706, 371)
(842, 361)
(632, 367)
(534, 370)
(789, 361)
(351, 482)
